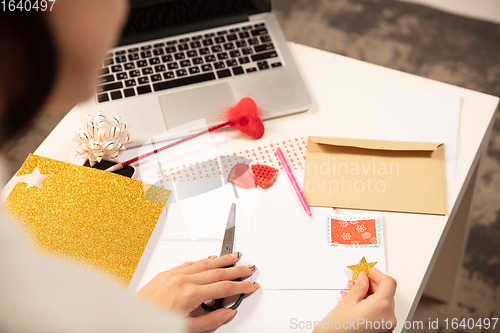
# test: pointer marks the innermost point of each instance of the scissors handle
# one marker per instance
(218, 303)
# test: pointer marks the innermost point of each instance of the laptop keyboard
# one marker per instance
(172, 63)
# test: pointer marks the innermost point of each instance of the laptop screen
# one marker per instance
(150, 19)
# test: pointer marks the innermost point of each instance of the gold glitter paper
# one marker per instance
(363, 266)
(94, 217)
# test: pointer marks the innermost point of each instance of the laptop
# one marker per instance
(183, 60)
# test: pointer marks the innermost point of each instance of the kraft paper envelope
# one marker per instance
(375, 175)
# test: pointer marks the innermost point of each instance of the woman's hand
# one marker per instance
(368, 300)
(185, 287)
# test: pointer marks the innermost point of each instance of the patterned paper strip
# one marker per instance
(294, 150)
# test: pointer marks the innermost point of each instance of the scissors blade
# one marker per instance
(227, 243)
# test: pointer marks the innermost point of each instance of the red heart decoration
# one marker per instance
(241, 176)
(265, 176)
(246, 118)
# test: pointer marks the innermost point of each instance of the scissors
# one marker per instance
(227, 248)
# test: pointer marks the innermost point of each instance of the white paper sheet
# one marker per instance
(291, 252)
(206, 214)
(288, 247)
(169, 254)
(161, 255)
(420, 117)
(201, 212)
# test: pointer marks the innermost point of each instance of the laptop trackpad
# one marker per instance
(193, 104)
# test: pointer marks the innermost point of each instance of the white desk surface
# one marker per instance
(344, 95)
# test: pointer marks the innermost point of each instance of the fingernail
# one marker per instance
(230, 316)
(235, 255)
(252, 267)
(256, 285)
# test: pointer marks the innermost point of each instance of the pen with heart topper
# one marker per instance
(245, 117)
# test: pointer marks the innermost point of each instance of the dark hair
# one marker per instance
(28, 68)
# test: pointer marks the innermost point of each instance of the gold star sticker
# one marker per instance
(363, 266)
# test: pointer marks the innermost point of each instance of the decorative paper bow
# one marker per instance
(101, 138)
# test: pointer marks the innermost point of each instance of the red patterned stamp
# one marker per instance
(354, 231)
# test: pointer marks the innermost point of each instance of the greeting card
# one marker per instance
(97, 218)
